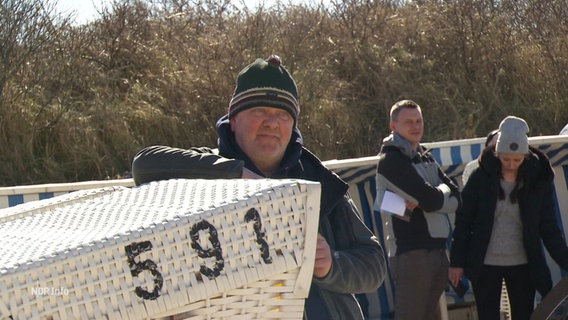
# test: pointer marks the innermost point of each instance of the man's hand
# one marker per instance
(322, 264)
(410, 205)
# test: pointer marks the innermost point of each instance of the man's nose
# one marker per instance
(271, 120)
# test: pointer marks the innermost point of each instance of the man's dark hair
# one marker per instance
(402, 104)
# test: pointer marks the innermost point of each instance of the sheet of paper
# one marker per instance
(393, 204)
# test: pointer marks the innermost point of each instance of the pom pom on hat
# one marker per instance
(265, 83)
(513, 136)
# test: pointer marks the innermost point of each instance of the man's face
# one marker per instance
(409, 125)
(263, 133)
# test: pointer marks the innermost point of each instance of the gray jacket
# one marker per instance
(415, 176)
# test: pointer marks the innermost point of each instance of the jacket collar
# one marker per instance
(298, 163)
(536, 168)
(394, 140)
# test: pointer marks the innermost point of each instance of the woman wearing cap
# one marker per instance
(507, 213)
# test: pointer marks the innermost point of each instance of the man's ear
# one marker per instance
(232, 123)
(391, 125)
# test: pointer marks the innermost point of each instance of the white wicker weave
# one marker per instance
(176, 249)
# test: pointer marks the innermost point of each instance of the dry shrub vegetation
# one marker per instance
(78, 101)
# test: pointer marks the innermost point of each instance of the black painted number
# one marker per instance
(254, 216)
(137, 267)
(215, 251)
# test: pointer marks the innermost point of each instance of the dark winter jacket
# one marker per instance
(358, 263)
(415, 176)
(474, 221)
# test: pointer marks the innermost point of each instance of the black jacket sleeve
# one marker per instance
(161, 163)
(465, 218)
(359, 263)
(409, 184)
(549, 230)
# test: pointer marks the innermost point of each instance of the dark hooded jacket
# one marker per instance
(474, 220)
(358, 263)
(415, 176)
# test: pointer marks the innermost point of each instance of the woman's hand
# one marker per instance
(454, 275)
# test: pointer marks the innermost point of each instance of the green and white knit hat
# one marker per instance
(265, 83)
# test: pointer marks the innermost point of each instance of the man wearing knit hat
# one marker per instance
(259, 138)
